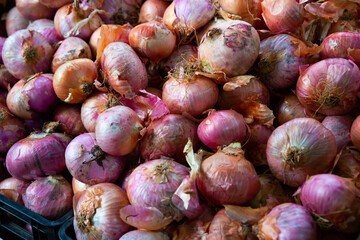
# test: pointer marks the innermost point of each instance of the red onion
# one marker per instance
(55, 4)
(123, 68)
(93, 42)
(36, 124)
(329, 86)
(3, 171)
(183, 52)
(15, 21)
(17, 185)
(145, 235)
(33, 9)
(97, 213)
(152, 10)
(121, 11)
(6, 79)
(38, 155)
(154, 91)
(299, 148)
(2, 41)
(168, 136)
(69, 117)
(51, 197)
(287, 221)
(26, 99)
(88, 163)
(118, 130)
(26, 52)
(348, 165)
(335, 202)
(12, 129)
(355, 132)
(47, 28)
(237, 46)
(228, 172)
(340, 126)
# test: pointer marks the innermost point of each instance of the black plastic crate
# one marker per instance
(66, 231)
(13, 227)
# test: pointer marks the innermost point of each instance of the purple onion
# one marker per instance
(3, 171)
(340, 126)
(38, 155)
(37, 124)
(6, 79)
(145, 235)
(348, 165)
(51, 197)
(69, 117)
(31, 96)
(26, 52)
(47, 28)
(121, 11)
(183, 52)
(19, 186)
(15, 21)
(2, 41)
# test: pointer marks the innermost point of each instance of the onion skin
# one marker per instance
(6, 79)
(69, 117)
(33, 9)
(152, 10)
(17, 185)
(78, 187)
(340, 126)
(329, 86)
(335, 200)
(26, 52)
(145, 235)
(183, 52)
(38, 155)
(299, 148)
(15, 21)
(54, 4)
(47, 28)
(287, 221)
(354, 132)
(348, 165)
(51, 197)
(121, 11)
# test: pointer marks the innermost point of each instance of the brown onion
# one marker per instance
(152, 10)
(69, 117)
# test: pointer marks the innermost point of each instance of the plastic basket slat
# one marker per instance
(66, 232)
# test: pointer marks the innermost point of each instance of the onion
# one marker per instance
(78, 187)
(153, 40)
(121, 11)
(19, 186)
(335, 202)
(152, 10)
(182, 53)
(228, 172)
(51, 197)
(3, 95)
(70, 49)
(88, 163)
(3, 171)
(154, 91)
(145, 235)
(340, 126)
(12, 129)
(287, 221)
(93, 42)
(26, 52)
(69, 117)
(97, 213)
(354, 132)
(73, 80)
(15, 21)
(54, 4)
(329, 86)
(6, 79)
(118, 130)
(33, 9)
(36, 124)
(237, 46)
(348, 165)
(2, 41)
(282, 16)
(26, 99)
(123, 68)
(299, 148)
(47, 28)
(38, 155)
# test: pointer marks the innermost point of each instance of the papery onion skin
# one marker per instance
(15, 21)
(121, 11)
(329, 86)
(152, 10)
(287, 221)
(47, 28)
(33, 9)
(97, 213)
(6, 79)
(15, 184)
(183, 52)
(38, 155)
(340, 126)
(145, 235)
(26, 52)
(54, 4)
(78, 187)
(299, 148)
(348, 165)
(334, 199)
(69, 117)
(355, 132)
(51, 197)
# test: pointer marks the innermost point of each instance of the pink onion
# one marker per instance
(340, 126)
(47, 28)
(2, 41)
(15, 21)
(88, 163)
(335, 201)
(145, 235)
(33, 9)
(152, 10)
(348, 165)
(97, 213)
(93, 42)
(6, 79)
(54, 4)
(121, 11)
(51, 197)
(19, 186)
(26, 52)
(26, 99)
(69, 117)
(287, 221)
(299, 148)
(329, 86)
(38, 155)
(183, 52)
(355, 132)
(123, 68)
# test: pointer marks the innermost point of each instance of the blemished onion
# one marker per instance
(26, 99)
(282, 16)
(287, 221)
(117, 130)
(222, 128)
(38, 155)
(183, 52)
(69, 117)
(152, 10)
(73, 80)
(78, 187)
(26, 52)
(55, 4)
(47, 28)
(237, 46)
(33, 9)
(340, 126)
(12, 129)
(15, 21)
(97, 213)
(335, 202)
(153, 40)
(51, 197)
(355, 132)
(6, 79)
(299, 148)
(341, 45)
(121, 11)
(228, 172)
(19, 186)
(124, 70)
(329, 86)
(88, 163)
(348, 165)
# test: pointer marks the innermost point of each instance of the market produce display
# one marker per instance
(183, 119)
